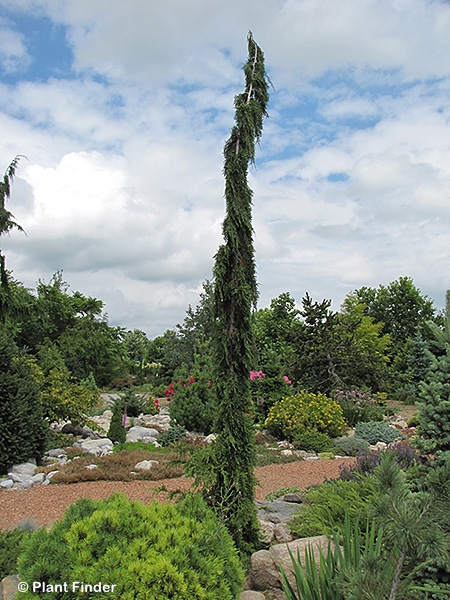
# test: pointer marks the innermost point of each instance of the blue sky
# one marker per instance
(122, 110)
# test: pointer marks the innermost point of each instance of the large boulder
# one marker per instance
(147, 435)
(99, 447)
(264, 573)
(266, 565)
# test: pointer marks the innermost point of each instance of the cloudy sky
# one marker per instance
(122, 110)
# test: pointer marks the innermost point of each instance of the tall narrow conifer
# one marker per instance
(235, 297)
(6, 224)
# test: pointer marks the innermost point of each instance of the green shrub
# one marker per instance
(152, 552)
(193, 404)
(172, 435)
(11, 543)
(326, 505)
(116, 431)
(134, 404)
(312, 440)
(377, 431)
(291, 415)
(352, 446)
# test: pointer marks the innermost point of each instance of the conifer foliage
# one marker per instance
(434, 392)
(235, 297)
(6, 224)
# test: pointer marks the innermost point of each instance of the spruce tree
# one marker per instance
(117, 432)
(23, 430)
(235, 297)
(434, 392)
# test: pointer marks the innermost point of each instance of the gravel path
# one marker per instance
(45, 505)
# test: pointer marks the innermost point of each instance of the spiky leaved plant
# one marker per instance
(235, 297)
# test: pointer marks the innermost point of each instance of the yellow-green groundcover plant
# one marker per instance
(150, 552)
(291, 415)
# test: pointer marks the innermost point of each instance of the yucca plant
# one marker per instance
(344, 555)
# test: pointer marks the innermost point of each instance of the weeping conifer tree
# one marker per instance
(6, 224)
(235, 298)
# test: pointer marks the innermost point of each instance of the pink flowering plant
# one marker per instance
(266, 389)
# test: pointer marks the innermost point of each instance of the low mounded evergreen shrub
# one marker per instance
(312, 440)
(352, 446)
(172, 435)
(291, 415)
(377, 431)
(11, 543)
(326, 505)
(151, 552)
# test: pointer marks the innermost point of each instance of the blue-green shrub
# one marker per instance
(377, 431)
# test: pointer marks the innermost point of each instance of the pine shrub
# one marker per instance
(11, 543)
(326, 505)
(152, 552)
(291, 415)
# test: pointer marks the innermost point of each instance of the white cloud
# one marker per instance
(123, 189)
(13, 53)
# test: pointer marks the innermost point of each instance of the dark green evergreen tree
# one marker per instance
(23, 431)
(235, 298)
(116, 431)
(434, 392)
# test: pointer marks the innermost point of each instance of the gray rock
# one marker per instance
(50, 475)
(275, 594)
(252, 595)
(286, 452)
(281, 557)
(24, 484)
(282, 533)
(266, 532)
(6, 484)
(144, 434)
(99, 447)
(27, 468)
(263, 571)
(9, 587)
(92, 466)
(88, 433)
(293, 497)
(277, 511)
(20, 478)
(56, 453)
(38, 478)
(68, 428)
(146, 464)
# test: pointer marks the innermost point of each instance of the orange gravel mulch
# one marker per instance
(46, 504)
